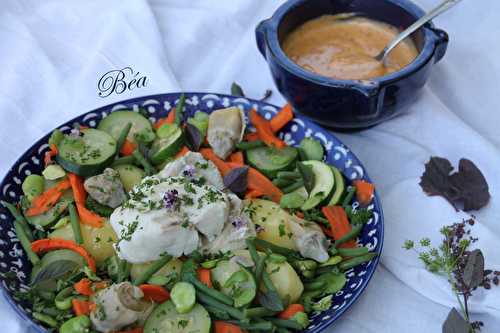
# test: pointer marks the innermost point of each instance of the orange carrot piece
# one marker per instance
(253, 194)
(50, 154)
(86, 216)
(81, 307)
(47, 199)
(155, 293)
(99, 285)
(169, 119)
(128, 148)
(84, 287)
(182, 152)
(364, 191)
(225, 327)
(291, 310)
(205, 276)
(283, 117)
(209, 154)
(134, 330)
(264, 130)
(237, 157)
(257, 181)
(46, 244)
(339, 223)
(251, 137)
(326, 231)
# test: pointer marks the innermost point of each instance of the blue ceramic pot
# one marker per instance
(349, 104)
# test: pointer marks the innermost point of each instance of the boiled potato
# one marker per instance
(97, 241)
(173, 265)
(284, 278)
(130, 175)
(273, 221)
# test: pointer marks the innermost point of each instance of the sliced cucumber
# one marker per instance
(339, 187)
(270, 161)
(130, 175)
(312, 149)
(51, 265)
(323, 184)
(183, 295)
(116, 121)
(87, 155)
(52, 215)
(235, 281)
(166, 147)
(165, 318)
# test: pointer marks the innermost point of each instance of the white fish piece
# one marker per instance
(193, 165)
(309, 239)
(226, 128)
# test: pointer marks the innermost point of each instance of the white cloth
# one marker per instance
(53, 52)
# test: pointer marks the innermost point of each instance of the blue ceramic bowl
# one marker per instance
(349, 104)
(14, 261)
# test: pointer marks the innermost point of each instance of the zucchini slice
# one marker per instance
(166, 319)
(116, 121)
(130, 175)
(167, 146)
(235, 281)
(270, 161)
(339, 187)
(323, 184)
(87, 155)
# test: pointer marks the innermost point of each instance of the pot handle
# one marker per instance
(373, 96)
(441, 44)
(260, 36)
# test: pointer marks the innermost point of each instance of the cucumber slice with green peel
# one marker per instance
(324, 182)
(312, 149)
(339, 187)
(87, 155)
(166, 130)
(53, 214)
(164, 148)
(165, 318)
(270, 161)
(51, 267)
(235, 281)
(183, 295)
(130, 175)
(116, 121)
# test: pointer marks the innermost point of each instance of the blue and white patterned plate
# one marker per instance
(12, 258)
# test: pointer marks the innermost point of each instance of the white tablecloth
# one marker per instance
(52, 54)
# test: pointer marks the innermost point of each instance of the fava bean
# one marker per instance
(79, 324)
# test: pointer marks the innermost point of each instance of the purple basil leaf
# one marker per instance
(435, 179)
(455, 323)
(193, 137)
(474, 269)
(470, 185)
(237, 180)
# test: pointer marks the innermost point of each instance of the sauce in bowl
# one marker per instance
(341, 48)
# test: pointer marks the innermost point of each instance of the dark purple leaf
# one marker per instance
(474, 269)
(454, 323)
(435, 179)
(470, 185)
(267, 94)
(236, 90)
(237, 180)
(193, 137)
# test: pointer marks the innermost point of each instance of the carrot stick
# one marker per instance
(128, 148)
(47, 199)
(86, 216)
(264, 130)
(183, 152)
(81, 307)
(364, 191)
(283, 117)
(224, 327)
(251, 137)
(169, 119)
(209, 154)
(326, 231)
(291, 310)
(339, 223)
(46, 244)
(50, 154)
(237, 157)
(205, 277)
(154, 293)
(252, 194)
(257, 181)
(84, 287)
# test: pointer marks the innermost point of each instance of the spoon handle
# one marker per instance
(444, 6)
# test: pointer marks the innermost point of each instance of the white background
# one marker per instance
(52, 54)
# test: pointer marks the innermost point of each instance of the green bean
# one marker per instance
(75, 224)
(260, 243)
(47, 320)
(325, 269)
(312, 286)
(276, 258)
(353, 262)
(258, 312)
(295, 186)
(210, 301)
(292, 175)
(123, 136)
(257, 259)
(247, 145)
(258, 326)
(63, 299)
(179, 109)
(25, 243)
(155, 267)
(19, 218)
(217, 313)
(317, 218)
(268, 283)
(282, 330)
(291, 324)
(351, 190)
(213, 293)
(124, 160)
(332, 261)
(356, 229)
(355, 252)
(281, 183)
(150, 170)
(80, 324)
(159, 280)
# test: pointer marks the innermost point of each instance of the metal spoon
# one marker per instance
(444, 6)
